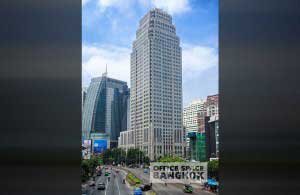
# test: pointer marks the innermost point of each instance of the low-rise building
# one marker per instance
(126, 140)
(212, 105)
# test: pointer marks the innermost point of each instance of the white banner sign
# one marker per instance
(184, 172)
(86, 151)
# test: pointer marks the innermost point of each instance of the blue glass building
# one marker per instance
(105, 108)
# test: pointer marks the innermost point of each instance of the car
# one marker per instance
(101, 186)
(146, 171)
(99, 173)
(137, 191)
(146, 187)
(188, 188)
(91, 183)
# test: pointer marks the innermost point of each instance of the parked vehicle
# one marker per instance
(145, 187)
(211, 185)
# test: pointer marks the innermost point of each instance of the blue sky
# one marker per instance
(108, 30)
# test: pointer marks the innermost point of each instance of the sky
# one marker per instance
(109, 27)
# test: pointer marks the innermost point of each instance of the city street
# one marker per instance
(112, 187)
(170, 189)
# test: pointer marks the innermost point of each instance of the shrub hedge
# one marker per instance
(132, 179)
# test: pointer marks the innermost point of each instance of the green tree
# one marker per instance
(136, 156)
(213, 169)
(213, 166)
(85, 170)
(116, 155)
(88, 167)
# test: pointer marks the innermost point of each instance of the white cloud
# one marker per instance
(84, 2)
(197, 58)
(172, 6)
(95, 58)
(121, 5)
(127, 6)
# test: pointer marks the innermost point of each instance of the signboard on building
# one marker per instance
(185, 173)
(99, 145)
(86, 149)
(101, 141)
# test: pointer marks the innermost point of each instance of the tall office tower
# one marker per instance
(105, 108)
(212, 104)
(156, 86)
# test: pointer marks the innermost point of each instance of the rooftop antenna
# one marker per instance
(105, 73)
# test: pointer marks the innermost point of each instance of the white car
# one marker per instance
(92, 183)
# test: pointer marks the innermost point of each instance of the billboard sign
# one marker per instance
(100, 145)
(183, 172)
(86, 149)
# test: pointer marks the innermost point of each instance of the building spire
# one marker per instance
(105, 73)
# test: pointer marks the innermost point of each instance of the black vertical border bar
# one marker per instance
(40, 101)
(259, 97)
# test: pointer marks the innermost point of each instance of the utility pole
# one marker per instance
(139, 156)
(125, 156)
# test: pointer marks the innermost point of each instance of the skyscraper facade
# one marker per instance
(156, 86)
(105, 108)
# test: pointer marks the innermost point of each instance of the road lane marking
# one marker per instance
(106, 186)
(118, 186)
